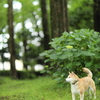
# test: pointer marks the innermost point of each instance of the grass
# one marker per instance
(42, 88)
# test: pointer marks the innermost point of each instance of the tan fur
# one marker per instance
(80, 85)
(86, 70)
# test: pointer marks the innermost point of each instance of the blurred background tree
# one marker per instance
(97, 15)
(11, 41)
(45, 25)
(59, 17)
(36, 22)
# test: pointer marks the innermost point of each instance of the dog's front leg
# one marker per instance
(81, 96)
(73, 96)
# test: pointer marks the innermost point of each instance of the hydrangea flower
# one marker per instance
(69, 47)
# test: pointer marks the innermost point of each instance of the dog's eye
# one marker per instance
(69, 77)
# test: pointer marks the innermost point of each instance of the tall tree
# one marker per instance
(97, 15)
(11, 39)
(59, 17)
(45, 24)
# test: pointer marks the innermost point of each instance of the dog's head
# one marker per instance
(72, 78)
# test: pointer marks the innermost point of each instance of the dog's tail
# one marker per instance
(88, 72)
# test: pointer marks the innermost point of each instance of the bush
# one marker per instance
(5, 73)
(71, 52)
(20, 74)
(25, 75)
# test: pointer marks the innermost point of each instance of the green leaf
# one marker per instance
(59, 53)
(55, 74)
(65, 55)
(43, 71)
(79, 39)
(77, 63)
(69, 65)
(53, 56)
(47, 60)
(43, 53)
(58, 79)
(53, 63)
(88, 64)
(87, 53)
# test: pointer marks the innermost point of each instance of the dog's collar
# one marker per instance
(74, 82)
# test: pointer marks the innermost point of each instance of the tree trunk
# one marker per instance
(97, 15)
(24, 40)
(25, 52)
(11, 40)
(59, 17)
(45, 24)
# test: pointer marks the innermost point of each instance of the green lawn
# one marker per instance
(42, 88)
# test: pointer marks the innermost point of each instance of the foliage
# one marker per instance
(27, 16)
(80, 14)
(27, 19)
(71, 52)
(21, 74)
(28, 36)
(3, 15)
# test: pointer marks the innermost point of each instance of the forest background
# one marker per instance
(28, 26)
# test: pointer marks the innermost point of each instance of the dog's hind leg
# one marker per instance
(94, 95)
(89, 91)
(93, 88)
(94, 92)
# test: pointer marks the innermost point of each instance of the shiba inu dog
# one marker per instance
(80, 85)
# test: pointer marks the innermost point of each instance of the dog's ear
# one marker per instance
(69, 72)
(73, 73)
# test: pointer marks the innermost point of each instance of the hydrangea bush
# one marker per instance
(71, 52)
